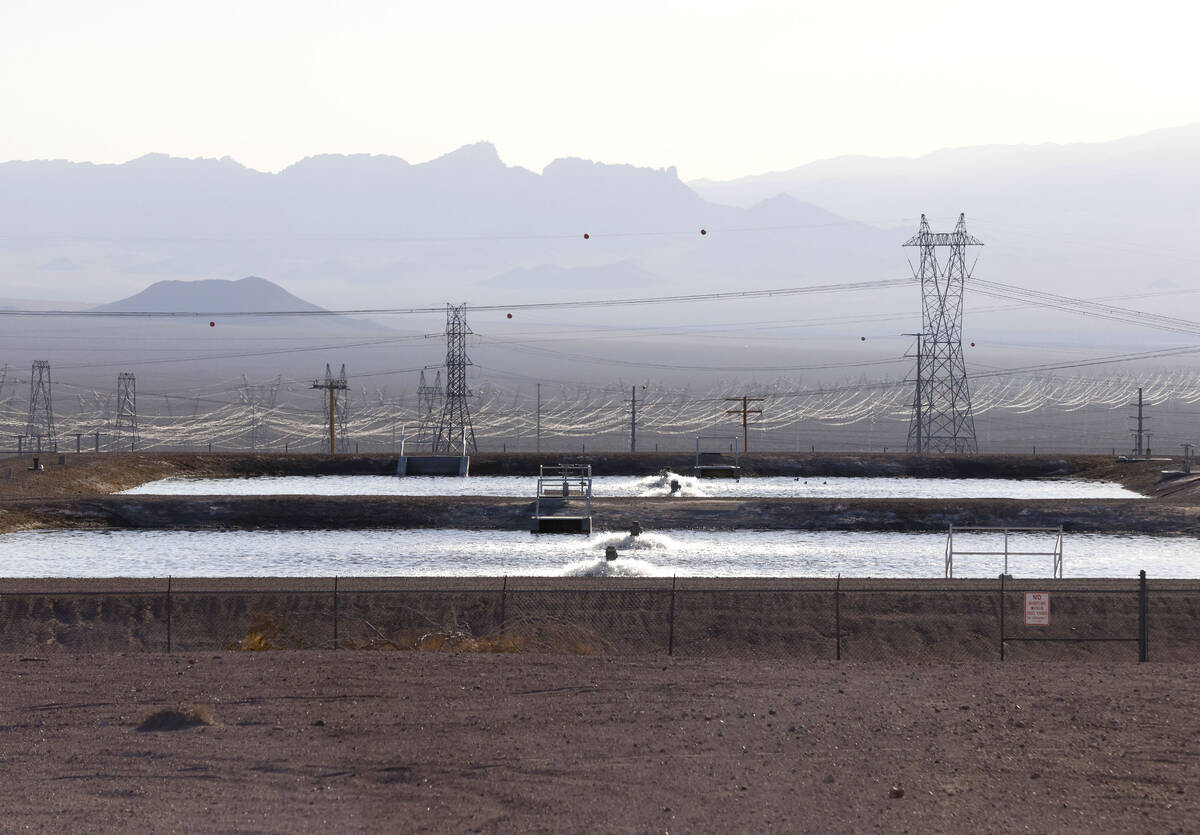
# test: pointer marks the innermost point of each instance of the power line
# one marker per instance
(396, 311)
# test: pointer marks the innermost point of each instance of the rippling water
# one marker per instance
(127, 553)
(658, 485)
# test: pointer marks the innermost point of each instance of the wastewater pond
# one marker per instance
(669, 484)
(437, 552)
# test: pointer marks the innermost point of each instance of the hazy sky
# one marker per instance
(718, 89)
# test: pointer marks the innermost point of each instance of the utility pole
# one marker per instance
(917, 427)
(745, 411)
(539, 418)
(632, 401)
(333, 385)
(1139, 434)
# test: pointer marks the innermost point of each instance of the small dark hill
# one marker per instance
(247, 295)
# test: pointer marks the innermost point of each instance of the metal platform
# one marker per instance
(563, 503)
(431, 463)
(451, 465)
(712, 463)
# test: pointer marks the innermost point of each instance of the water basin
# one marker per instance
(438, 552)
(658, 485)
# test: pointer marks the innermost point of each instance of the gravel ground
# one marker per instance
(407, 741)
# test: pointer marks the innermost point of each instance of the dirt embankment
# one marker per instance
(75, 490)
(500, 513)
(74, 474)
(907, 621)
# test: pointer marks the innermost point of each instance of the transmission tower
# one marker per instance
(429, 408)
(126, 424)
(455, 430)
(338, 390)
(256, 396)
(40, 425)
(941, 413)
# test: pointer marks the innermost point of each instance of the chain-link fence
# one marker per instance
(855, 620)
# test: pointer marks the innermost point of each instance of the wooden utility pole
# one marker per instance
(745, 411)
(333, 385)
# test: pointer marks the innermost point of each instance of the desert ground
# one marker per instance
(434, 742)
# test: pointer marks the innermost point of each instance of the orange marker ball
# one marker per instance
(703, 231)
(212, 324)
(510, 316)
(586, 236)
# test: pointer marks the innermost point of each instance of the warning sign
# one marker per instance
(1037, 608)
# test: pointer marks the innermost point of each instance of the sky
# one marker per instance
(719, 90)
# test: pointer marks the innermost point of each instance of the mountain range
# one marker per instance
(1113, 219)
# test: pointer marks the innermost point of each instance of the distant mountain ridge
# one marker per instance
(373, 231)
(377, 231)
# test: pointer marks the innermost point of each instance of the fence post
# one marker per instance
(671, 621)
(837, 615)
(503, 602)
(168, 615)
(1143, 612)
(335, 612)
(1001, 617)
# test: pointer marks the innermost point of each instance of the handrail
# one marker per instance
(1056, 553)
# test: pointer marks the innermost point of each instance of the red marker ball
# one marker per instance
(212, 324)
(586, 236)
(703, 231)
(510, 316)
(862, 339)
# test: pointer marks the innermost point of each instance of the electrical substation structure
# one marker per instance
(337, 388)
(125, 424)
(1141, 437)
(455, 432)
(942, 421)
(39, 428)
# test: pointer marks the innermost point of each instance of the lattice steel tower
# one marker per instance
(40, 425)
(941, 415)
(455, 431)
(126, 424)
(254, 397)
(430, 399)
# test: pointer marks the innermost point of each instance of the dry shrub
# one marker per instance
(178, 718)
(544, 635)
(455, 640)
(556, 636)
(265, 632)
